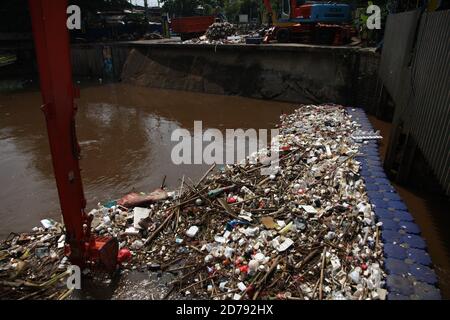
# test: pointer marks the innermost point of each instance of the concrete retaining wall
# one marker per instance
(288, 72)
(294, 73)
(98, 60)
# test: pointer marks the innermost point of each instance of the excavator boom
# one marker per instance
(51, 38)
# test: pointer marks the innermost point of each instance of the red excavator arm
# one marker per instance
(51, 39)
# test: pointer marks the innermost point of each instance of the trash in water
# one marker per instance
(192, 231)
(306, 232)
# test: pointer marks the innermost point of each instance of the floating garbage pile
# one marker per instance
(32, 265)
(306, 231)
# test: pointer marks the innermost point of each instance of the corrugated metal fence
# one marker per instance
(415, 70)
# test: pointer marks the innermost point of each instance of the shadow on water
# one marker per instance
(134, 285)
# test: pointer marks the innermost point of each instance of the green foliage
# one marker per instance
(186, 8)
(230, 8)
(100, 5)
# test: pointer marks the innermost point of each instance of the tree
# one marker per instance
(186, 8)
(232, 8)
(15, 17)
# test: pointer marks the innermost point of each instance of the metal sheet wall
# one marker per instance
(415, 69)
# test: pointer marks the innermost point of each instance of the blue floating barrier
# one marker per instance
(380, 203)
(372, 187)
(376, 164)
(369, 146)
(388, 220)
(382, 181)
(419, 256)
(369, 180)
(391, 196)
(397, 205)
(425, 291)
(384, 213)
(396, 296)
(423, 273)
(399, 284)
(395, 251)
(398, 227)
(390, 225)
(378, 174)
(410, 227)
(403, 216)
(389, 236)
(396, 266)
(364, 169)
(375, 194)
(385, 186)
(371, 152)
(414, 241)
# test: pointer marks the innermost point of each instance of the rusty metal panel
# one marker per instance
(415, 70)
(427, 116)
(398, 41)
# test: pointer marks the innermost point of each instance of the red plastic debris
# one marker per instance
(244, 269)
(124, 255)
(231, 200)
(238, 261)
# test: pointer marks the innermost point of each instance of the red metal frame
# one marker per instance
(53, 54)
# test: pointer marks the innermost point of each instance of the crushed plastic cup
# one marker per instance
(192, 231)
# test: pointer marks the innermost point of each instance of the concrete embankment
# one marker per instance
(294, 73)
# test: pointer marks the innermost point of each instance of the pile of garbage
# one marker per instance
(226, 33)
(220, 30)
(234, 39)
(151, 36)
(33, 265)
(307, 231)
(219, 33)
